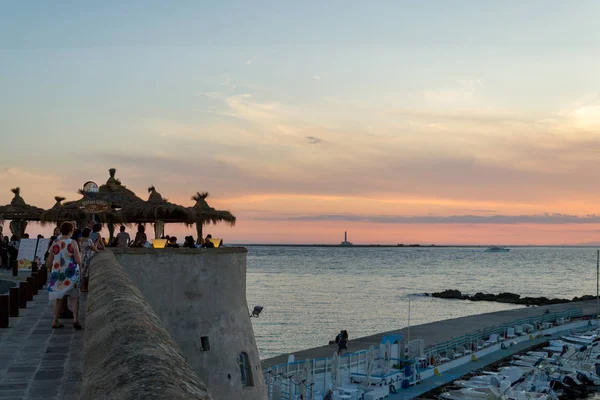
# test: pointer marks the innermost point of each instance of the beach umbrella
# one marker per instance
(201, 214)
(19, 212)
(113, 193)
(307, 372)
(157, 210)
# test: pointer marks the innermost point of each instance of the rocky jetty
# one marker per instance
(506, 297)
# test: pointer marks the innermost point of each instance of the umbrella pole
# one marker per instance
(597, 284)
(199, 232)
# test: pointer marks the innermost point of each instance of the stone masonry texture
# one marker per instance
(128, 354)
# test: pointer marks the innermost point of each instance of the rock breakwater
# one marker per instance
(507, 297)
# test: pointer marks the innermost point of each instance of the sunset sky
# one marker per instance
(447, 122)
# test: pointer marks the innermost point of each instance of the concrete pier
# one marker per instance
(434, 332)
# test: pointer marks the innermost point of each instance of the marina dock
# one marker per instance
(435, 332)
(435, 382)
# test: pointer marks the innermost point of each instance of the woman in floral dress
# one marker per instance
(88, 249)
(63, 261)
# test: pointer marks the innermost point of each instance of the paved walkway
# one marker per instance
(38, 362)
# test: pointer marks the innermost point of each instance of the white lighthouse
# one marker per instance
(346, 242)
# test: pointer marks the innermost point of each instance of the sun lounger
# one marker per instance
(464, 350)
(510, 333)
(519, 330)
(454, 354)
(445, 358)
(492, 340)
(481, 345)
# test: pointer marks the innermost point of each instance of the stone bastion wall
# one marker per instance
(128, 352)
(200, 297)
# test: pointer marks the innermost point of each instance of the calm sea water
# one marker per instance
(309, 294)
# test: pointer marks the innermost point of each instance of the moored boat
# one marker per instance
(496, 249)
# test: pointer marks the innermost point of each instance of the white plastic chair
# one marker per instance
(464, 350)
(492, 340)
(445, 358)
(510, 333)
(519, 330)
(457, 354)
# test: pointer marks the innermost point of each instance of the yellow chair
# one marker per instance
(217, 242)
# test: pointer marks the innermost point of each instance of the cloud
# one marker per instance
(463, 93)
(546, 219)
(316, 77)
(250, 61)
(225, 80)
(37, 188)
(314, 140)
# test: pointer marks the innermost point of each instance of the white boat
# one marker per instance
(496, 249)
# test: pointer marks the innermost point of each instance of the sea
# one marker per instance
(309, 294)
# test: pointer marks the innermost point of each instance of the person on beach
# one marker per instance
(88, 249)
(64, 260)
(343, 342)
(123, 238)
(56, 232)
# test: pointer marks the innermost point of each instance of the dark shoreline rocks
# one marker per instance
(506, 297)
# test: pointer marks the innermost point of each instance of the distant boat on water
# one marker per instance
(496, 249)
(346, 242)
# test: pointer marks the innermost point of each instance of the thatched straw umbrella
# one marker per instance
(157, 210)
(59, 200)
(202, 214)
(112, 192)
(19, 212)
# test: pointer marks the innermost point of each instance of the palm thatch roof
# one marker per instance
(202, 213)
(155, 209)
(19, 210)
(58, 199)
(113, 192)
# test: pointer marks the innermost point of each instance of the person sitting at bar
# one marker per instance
(189, 243)
(140, 237)
(173, 242)
(123, 238)
(208, 244)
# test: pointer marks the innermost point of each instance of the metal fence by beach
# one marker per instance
(537, 322)
(313, 375)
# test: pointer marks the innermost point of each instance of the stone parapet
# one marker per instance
(200, 297)
(128, 353)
